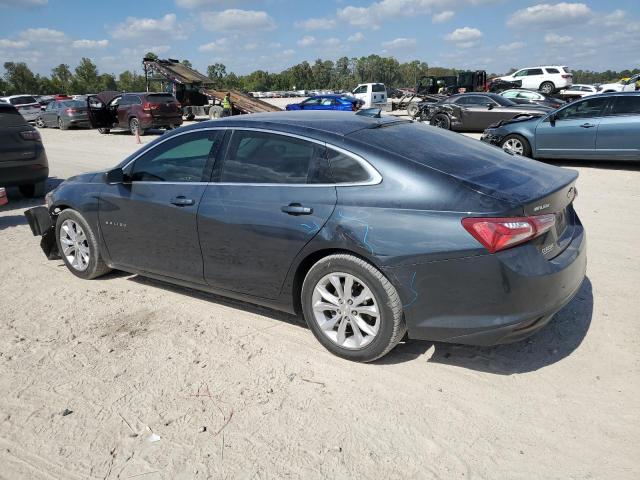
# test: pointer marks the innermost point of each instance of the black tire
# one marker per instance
(103, 131)
(34, 190)
(96, 266)
(190, 117)
(441, 121)
(526, 147)
(392, 326)
(40, 123)
(547, 87)
(215, 112)
(62, 125)
(412, 110)
(134, 124)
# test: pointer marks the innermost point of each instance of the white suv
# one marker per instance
(625, 85)
(547, 79)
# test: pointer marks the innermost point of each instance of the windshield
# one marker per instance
(23, 100)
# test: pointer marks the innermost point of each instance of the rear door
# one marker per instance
(266, 207)
(50, 115)
(149, 222)
(573, 134)
(619, 130)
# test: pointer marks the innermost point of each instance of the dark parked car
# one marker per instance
(598, 127)
(371, 227)
(328, 102)
(64, 114)
(529, 97)
(134, 111)
(473, 112)
(23, 161)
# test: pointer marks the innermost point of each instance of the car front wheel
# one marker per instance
(62, 125)
(517, 145)
(351, 308)
(441, 121)
(78, 246)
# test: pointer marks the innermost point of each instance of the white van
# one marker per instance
(372, 94)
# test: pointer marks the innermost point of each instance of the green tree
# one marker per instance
(217, 72)
(107, 82)
(186, 63)
(61, 79)
(131, 82)
(150, 56)
(86, 77)
(20, 78)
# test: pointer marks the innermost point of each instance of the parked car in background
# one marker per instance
(528, 97)
(44, 100)
(27, 105)
(473, 112)
(547, 79)
(407, 228)
(374, 95)
(64, 114)
(598, 127)
(624, 85)
(136, 112)
(3, 197)
(23, 161)
(578, 90)
(328, 102)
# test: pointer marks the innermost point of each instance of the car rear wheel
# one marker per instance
(351, 308)
(412, 110)
(547, 87)
(441, 121)
(78, 246)
(62, 125)
(517, 145)
(34, 190)
(134, 126)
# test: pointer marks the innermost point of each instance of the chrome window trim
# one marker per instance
(374, 176)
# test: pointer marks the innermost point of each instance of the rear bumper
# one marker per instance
(490, 299)
(160, 122)
(24, 172)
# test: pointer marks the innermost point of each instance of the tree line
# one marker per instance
(343, 74)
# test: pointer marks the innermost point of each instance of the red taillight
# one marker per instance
(31, 135)
(72, 110)
(147, 107)
(567, 76)
(496, 234)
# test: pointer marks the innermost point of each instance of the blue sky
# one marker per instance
(271, 35)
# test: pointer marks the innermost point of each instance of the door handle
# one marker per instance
(587, 125)
(296, 209)
(181, 201)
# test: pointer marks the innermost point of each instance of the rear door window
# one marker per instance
(346, 169)
(552, 70)
(261, 157)
(183, 158)
(534, 71)
(592, 107)
(625, 105)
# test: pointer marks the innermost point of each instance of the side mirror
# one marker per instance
(552, 119)
(114, 176)
(490, 106)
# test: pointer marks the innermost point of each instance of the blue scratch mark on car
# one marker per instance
(366, 229)
(311, 228)
(413, 290)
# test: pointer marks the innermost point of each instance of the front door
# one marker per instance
(265, 209)
(573, 133)
(149, 222)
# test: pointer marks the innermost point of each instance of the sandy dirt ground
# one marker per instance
(124, 377)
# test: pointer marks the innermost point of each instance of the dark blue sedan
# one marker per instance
(369, 227)
(345, 103)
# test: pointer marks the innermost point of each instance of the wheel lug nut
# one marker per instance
(354, 313)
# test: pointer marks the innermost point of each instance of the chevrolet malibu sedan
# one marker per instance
(598, 127)
(371, 228)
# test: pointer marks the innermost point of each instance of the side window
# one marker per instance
(476, 100)
(552, 70)
(326, 102)
(462, 100)
(52, 106)
(379, 87)
(534, 71)
(361, 89)
(520, 73)
(510, 94)
(626, 105)
(345, 169)
(181, 159)
(312, 101)
(135, 100)
(591, 107)
(260, 157)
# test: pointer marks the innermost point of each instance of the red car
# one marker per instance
(136, 112)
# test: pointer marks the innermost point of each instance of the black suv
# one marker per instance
(23, 161)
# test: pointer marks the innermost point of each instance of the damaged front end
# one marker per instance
(43, 223)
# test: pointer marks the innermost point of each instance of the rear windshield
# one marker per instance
(378, 87)
(161, 97)
(22, 100)
(10, 117)
(73, 103)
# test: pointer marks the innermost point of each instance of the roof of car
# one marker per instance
(332, 122)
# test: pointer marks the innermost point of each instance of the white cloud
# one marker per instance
(316, 24)
(442, 16)
(23, 3)
(90, 43)
(144, 27)
(464, 34)
(356, 37)
(399, 43)
(47, 35)
(332, 42)
(307, 41)
(234, 19)
(550, 15)
(17, 44)
(288, 52)
(511, 47)
(555, 39)
(220, 45)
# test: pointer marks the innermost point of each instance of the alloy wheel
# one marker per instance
(439, 122)
(39, 122)
(134, 126)
(75, 246)
(346, 310)
(514, 146)
(60, 124)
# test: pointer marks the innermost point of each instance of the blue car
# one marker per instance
(598, 127)
(345, 103)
